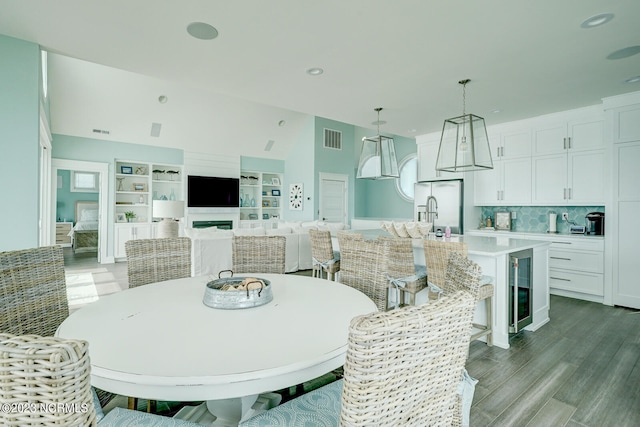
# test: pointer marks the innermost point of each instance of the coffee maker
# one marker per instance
(594, 222)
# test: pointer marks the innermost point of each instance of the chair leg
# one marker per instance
(489, 321)
(132, 403)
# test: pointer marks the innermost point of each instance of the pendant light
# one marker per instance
(464, 145)
(378, 156)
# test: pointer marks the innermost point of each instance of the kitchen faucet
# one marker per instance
(432, 209)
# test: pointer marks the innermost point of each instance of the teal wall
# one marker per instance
(535, 219)
(66, 199)
(19, 143)
(328, 160)
(299, 169)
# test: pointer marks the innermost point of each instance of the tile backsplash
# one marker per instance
(535, 219)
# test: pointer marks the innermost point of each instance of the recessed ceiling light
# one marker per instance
(597, 20)
(635, 79)
(162, 99)
(315, 71)
(496, 111)
(624, 53)
(412, 130)
(202, 31)
(282, 123)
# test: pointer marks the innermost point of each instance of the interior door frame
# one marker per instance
(334, 177)
(102, 169)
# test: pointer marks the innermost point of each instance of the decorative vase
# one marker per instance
(253, 202)
(172, 196)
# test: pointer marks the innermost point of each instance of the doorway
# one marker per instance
(102, 172)
(334, 197)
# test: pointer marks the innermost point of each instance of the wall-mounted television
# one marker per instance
(212, 192)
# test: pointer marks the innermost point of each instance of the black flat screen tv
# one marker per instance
(212, 192)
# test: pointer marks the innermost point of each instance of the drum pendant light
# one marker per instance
(464, 145)
(378, 156)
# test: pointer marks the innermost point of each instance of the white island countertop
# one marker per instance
(477, 245)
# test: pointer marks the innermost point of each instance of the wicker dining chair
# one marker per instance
(403, 368)
(33, 291)
(157, 260)
(46, 382)
(258, 254)
(402, 272)
(324, 257)
(437, 258)
(362, 266)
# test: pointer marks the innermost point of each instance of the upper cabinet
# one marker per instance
(427, 151)
(569, 161)
(509, 182)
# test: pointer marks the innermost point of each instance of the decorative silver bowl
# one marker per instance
(219, 294)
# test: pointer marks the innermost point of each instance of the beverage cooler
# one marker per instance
(520, 290)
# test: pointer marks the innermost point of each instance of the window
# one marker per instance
(408, 171)
(84, 182)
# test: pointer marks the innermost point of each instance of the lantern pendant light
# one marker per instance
(464, 145)
(378, 156)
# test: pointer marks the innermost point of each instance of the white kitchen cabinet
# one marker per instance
(427, 152)
(574, 178)
(513, 144)
(571, 131)
(625, 232)
(128, 231)
(508, 183)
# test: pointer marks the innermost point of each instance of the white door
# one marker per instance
(333, 197)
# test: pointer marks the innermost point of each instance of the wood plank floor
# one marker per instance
(581, 369)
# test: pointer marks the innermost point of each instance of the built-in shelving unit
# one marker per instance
(260, 196)
(137, 184)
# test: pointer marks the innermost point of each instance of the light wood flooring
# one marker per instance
(581, 369)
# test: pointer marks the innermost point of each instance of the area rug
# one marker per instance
(81, 289)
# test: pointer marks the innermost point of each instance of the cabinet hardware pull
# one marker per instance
(569, 142)
(559, 278)
(564, 143)
(557, 257)
(562, 243)
(570, 195)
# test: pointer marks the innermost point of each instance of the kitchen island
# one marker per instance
(492, 255)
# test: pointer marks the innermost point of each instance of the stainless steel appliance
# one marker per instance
(520, 289)
(594, 223)
(440, 203)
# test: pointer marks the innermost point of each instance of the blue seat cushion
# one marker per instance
(318, 408)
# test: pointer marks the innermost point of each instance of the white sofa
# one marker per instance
(211, 248)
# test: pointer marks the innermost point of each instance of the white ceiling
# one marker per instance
(523, 57)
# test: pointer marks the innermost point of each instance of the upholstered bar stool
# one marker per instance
(437, 257)
(324, 257)
(405, 277)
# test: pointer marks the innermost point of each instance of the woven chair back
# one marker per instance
(400, 263)
(258, 254)
(321, 247)
(33, 291)
(157, 260)
(436, 255)
(362, 266)
(49, 378)
(403, 367)
(462, 275)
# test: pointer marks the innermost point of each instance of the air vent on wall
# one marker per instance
(332, 139)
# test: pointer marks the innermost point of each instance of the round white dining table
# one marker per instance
(161, 342)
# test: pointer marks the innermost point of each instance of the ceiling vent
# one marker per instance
(332, 139)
